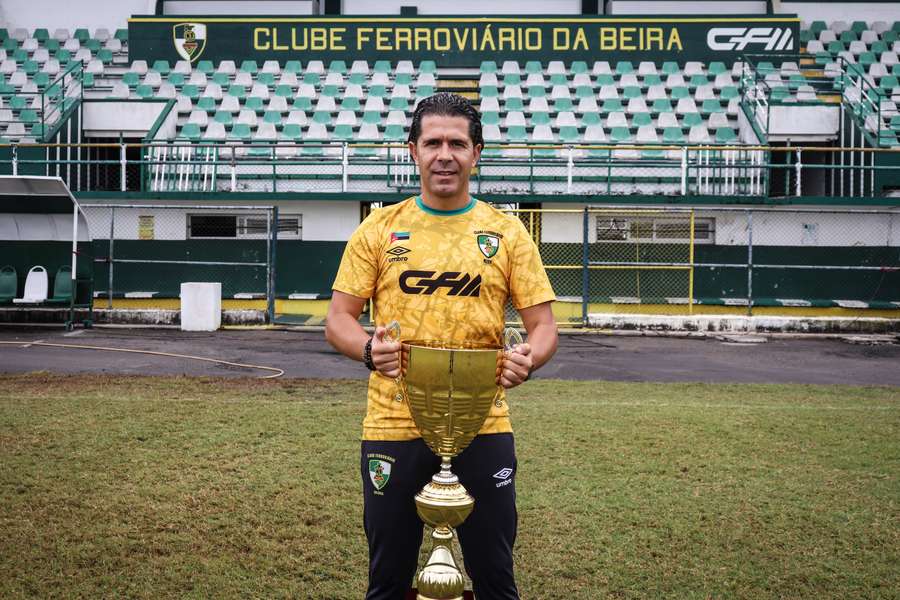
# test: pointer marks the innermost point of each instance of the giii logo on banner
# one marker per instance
(730, 39)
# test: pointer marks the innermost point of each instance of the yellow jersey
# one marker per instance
(443, 275)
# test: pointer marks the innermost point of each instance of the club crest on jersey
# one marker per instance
(190, 40)
(379, 472)
(488, 244)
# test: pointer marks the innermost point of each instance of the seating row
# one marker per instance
(36, 286)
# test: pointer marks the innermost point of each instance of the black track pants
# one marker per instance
(393, 472)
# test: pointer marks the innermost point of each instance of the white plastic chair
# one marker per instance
(35, 287)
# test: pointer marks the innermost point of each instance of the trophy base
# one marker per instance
(413, 594)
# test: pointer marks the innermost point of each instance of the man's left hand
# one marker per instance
(516, 366)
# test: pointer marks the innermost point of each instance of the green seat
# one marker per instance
(717, 68)
(652, 79)
(590, 118)
(223, 117)
(620, 135)
(322, 116)
(337, 66)
(536, 91)
(373, 117)
(427, 66)
(859, 26)
(121, 35)
(131, 79)
(490, 118)
(890, 36)
(267, 79)
(612, 105)
(249, 66)
(382, 66)
(9, 284)
(630, 92)
(673, 136)
(302, 103)
(698, 80)
(189, 90)
(81, 34)
(350, 103)
(563, 105)
(394, 133)
(10, 44)
(568, 134)
(765, 67)
(190, 131)
(725, 135)
(377, 91)
(679, 92)
(879, 47)
(63, 56)
(399, 104)
(578, 66)
(779, 94)
(28, 116)
(624, 67)
(642, 119)
(818, 27)
(17, 102)
(207, 103)
(358, 78)
(312, 78)
(20, 55)
(284, 91)
(867, 58)
(728, 92)
(41, 80)
(176, 79)
(835, 47)
(516, 134)
(662, 105)
(343, 133)
(331, 90)
(161, 67)
(30, 67)
(222, 79)
(37, 131)
(711, 105)
(488, 66)
(272, 116)
(92, 45)
(255, 103)
(292, 131)
(533, 66)
(559, 79)
(206, 67)
(144, 91)
(888, 83)
(87, 80)
(540, 118)
(670, 68)
(423, 91)
(293, 66)
(403, 79)
(238, 91)
(240, 131)
(584, 91)
(41, 34)
(692, 119)
(848, 36)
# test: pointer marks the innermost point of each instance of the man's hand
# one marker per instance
(516, 366)
(385, 354)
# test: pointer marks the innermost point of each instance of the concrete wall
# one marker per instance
(133, 119)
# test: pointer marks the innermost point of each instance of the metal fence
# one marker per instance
(751, 171)
(148, 250)
(682, 260)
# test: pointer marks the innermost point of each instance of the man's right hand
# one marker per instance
(385, 354)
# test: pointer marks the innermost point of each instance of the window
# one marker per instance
(654, 229)
(243, 227)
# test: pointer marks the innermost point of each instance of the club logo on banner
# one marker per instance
(190, 40)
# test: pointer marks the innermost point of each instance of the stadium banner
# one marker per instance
(461, 41)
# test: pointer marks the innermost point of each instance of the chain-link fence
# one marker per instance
(147, 251)
(603, 259)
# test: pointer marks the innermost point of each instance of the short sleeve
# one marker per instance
(358, 271)
(528, 281)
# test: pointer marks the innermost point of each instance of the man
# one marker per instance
(443, 265)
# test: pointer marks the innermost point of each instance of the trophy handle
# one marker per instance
(511, 339)
(392, 334)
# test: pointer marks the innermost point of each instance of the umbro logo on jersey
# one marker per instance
(428, 282)
(398, 251)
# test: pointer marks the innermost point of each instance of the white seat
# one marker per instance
(401, 91)
(95, 67)
(30, 45)
(346, 117)
(247, 117)
(183, 104)
(685, 106)
(826, 36)
(101, 34)
(560, 92)
(512, 91)
(41, 55)
(510, 67)
(839, 27)
(514, 118)
(806, 93)
(61, 34)
(334, 79)
(197, 78)
(227, 66)
(296, 117)
(594, 134)
(120, 90)
(425, 79)
(315, 66)
(699, 135)
(667, 119)
(814, 47)
(396, 117)
(636, 105)
(84, 55)
(113, 45)
(608, 92)
(538, 104)
(139, 67)
(288, 78)
(277, 103)
(214, 131)
(880, 27)
(542, 134)
(35, 286)
(878, 70)
(536, 80)
(580, 79)
(212, 90)
(717, 120)
(51, 67)
(360, 66)
(616, 119)
(675, 80)
(306, 90)
(8, 66)
(647, 68)
(19, 34)
(369, 132)
(326, 103)
(265, 133)
(72, 45)
(243, 78)
(15, 129)
(271, 66)
(629, 80)
(490, 104)
(260, 90)
(556, 67)
(857, 47)
(381, 79)
(317, 132)
(230, 104)
(646, 134)
(657, 92)
(166, 90)
(587, 104)
(487, 79)
(868, 36)
(183, 67)
(405, 67)
(888, 58)
(152, 78)
(705, 92)
(374, 104)
(491, 133)
(692, 68)
(601, 67)
(565, 119)
(723, 80)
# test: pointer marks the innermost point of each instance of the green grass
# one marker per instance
(179, 487)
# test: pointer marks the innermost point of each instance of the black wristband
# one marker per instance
(367, 355)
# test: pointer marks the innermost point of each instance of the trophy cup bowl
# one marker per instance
(449, 388)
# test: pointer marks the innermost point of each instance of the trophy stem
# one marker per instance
(440, 578)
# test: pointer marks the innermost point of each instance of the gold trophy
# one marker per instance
(449, 389)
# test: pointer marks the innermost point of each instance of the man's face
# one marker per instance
(445, 155)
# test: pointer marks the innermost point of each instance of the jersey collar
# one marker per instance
(445, 213)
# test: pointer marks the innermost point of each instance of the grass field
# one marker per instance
(177, 487)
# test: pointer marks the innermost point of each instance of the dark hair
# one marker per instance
(447, 104)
